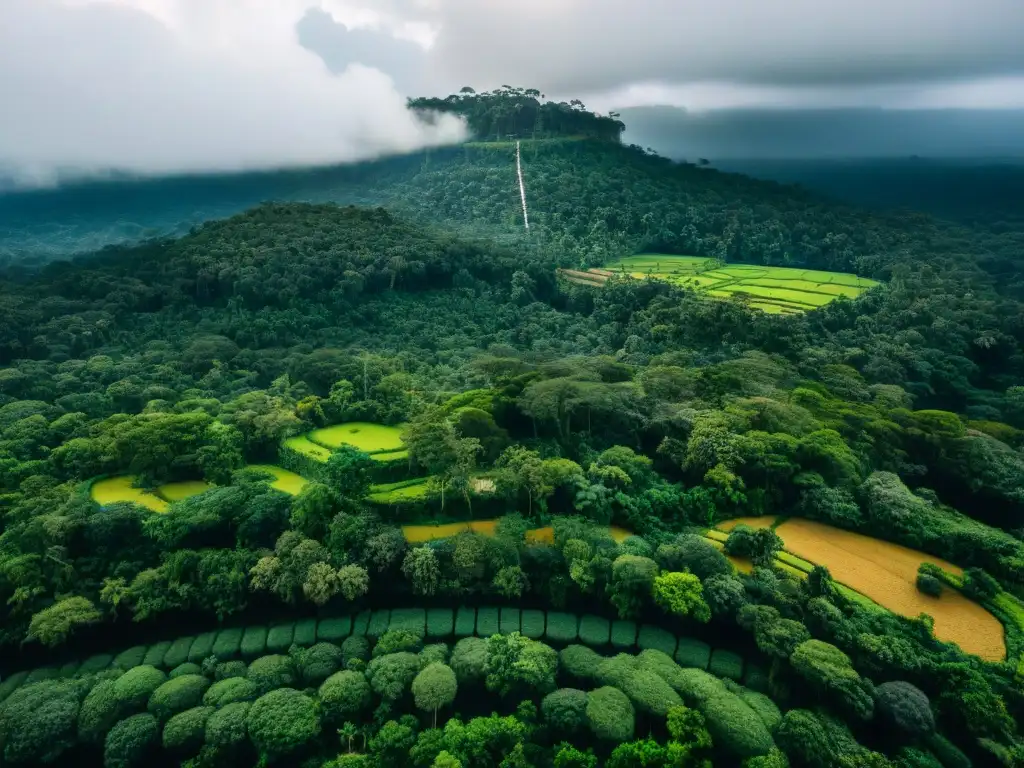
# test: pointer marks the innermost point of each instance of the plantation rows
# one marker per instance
(553, 627)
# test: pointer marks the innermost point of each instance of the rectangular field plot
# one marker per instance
(774, 290)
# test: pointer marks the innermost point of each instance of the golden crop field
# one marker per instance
(182, 490)
(286, 481)
(887, 573)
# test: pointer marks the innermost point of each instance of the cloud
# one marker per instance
(764, 133)
(166, 86)
(594, 45)
(404, 61)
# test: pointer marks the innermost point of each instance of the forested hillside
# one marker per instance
(193, 446)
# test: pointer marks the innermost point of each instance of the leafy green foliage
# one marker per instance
(131, 741)
(905, 707)
(344, 695)
(333, 630)
(726, 664)
(610, 714)
(693, 653)
(177, 695)
(516, 663)
(434, 687)
(656, 638)
(38, 721)
(282, 721)
(465, 622)
(202, 647)
(226, 727)
(177, 653)
(561, 627)
(440, 622)
(532, 623)
(188, 668)
(185, 732)
(279, 638)
(230, 691)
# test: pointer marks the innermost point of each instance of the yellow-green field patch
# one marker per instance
(182, 490)
(775, 290)
(121, 489)
(285, 481)
(368, 437)
(303, 445)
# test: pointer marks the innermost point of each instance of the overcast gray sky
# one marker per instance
(180, 85)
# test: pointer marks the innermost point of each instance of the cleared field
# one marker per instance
(182, 490)
(285, 481)
(764, 521)
(887, 573)
(303, 445)
(402, 491)
(115, 489)
(417, 534)
(775, 290)
(367, 437)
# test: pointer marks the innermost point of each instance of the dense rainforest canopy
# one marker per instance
(547, 405)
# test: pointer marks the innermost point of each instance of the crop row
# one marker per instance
(554, 627)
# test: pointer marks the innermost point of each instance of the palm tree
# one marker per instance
(348, 732)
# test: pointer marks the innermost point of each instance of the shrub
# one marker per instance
(440, 622)
(305, 633)
(699, 557)
(905, 707)
(562, 627)
(662, 665)
(178, 652)
(469, 660)
(734, 726)
(696, 686)
(228, 643)
(378, 623)
(70, 669)
(135, 687)
(396, 641)
(132, 657)
(565, 711)
(38, 721)
(756, 678)
(360, 623)
(270, 672)
(318, 663)
(228, 669)
(188, 668)
(532, 623)
(827, 668)
(225, 728)
(929, 585)
(390, 676)
(650, 693)
(765, 708)
(177, 695)
(356, 647)
(434, 652)
(98, 714)
(726, 664)
(656, 639)
(282, 721)
(344, 696)
(94, 664)
(11, 684)
(693, 653)
(279, 638)
(595, 631)
(610, 715)
(202, 647)
(186, 731)
(230, 691)
(42, 673)
(486, 622)
(412, 620)
(131, 741)
(155, 655)
(254, 642)
(334, 630)
(948, 753)
(623, 633)
(465, 622)
(615, 670)
(580, 662)
(509, 621)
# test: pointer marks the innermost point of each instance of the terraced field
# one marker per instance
(776, 290)
(887, 573)
(381, 442)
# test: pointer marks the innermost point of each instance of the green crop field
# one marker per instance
(775, 290)
(303, 445)
(400, 491)
(367, 437)
(286, 481)
(182, 490)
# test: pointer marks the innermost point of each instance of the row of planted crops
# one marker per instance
(284, 691)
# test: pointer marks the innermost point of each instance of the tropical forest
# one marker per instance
(540, 450)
